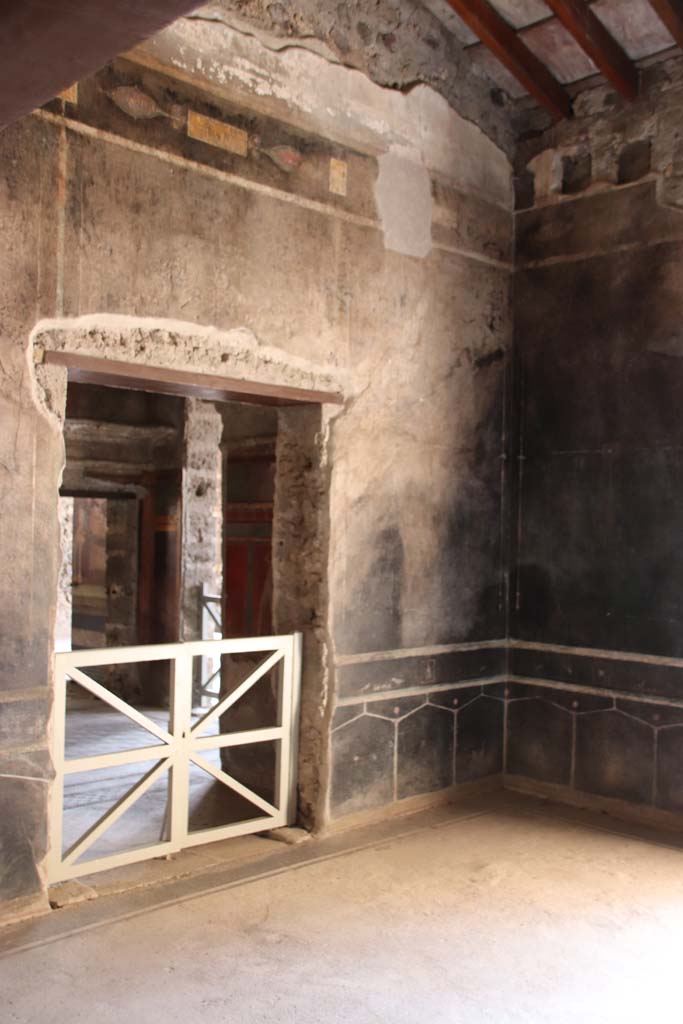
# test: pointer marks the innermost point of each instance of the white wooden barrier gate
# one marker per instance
(181, 746)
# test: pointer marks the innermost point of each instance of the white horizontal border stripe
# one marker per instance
(417, 691)
(596, 691)
(417, 652)
(597, 652)
(326, 209)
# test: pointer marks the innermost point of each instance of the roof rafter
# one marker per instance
(495, 33)
(670, 13)
(602, 48)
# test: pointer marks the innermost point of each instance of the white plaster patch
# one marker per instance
(546, 168)
(404, 202)
(455, 149)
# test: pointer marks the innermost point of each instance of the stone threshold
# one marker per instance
(90, 914)
(278, 858)
(196, 860)
(243, 850)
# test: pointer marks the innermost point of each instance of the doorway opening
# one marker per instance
(171, 532)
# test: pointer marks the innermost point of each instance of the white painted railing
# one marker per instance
(181, 745)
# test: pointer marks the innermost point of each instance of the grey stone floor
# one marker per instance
(512, 912)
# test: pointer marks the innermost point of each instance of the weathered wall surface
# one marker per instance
(596, 594)
(397, 43)
(202, 538)
(300, 597)
(31, 451)
(108, 213)
(62, 638)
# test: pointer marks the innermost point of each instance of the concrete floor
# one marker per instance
(512, 913)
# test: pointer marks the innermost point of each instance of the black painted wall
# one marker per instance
(596, 595)
(596, 744)
(388, 750)
(599, 346)
(586, 694)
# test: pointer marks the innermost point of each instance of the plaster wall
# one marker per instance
(127, 238)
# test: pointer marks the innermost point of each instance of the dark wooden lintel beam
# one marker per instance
(670, 13)
(162, 380)
(503, 41)
(596, 41)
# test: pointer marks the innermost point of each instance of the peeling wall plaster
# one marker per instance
(156, 341)
(342, 104)
(397, 44)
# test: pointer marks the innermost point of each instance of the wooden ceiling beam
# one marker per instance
(47, 45)
(596, 41)
(495, 33)
(670, 13)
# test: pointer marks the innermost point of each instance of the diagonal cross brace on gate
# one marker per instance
(176, 748)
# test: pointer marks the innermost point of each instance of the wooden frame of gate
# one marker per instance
(181, 745)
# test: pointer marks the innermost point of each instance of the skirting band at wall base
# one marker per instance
(413, 804)
(619, 809)
(24, 909)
